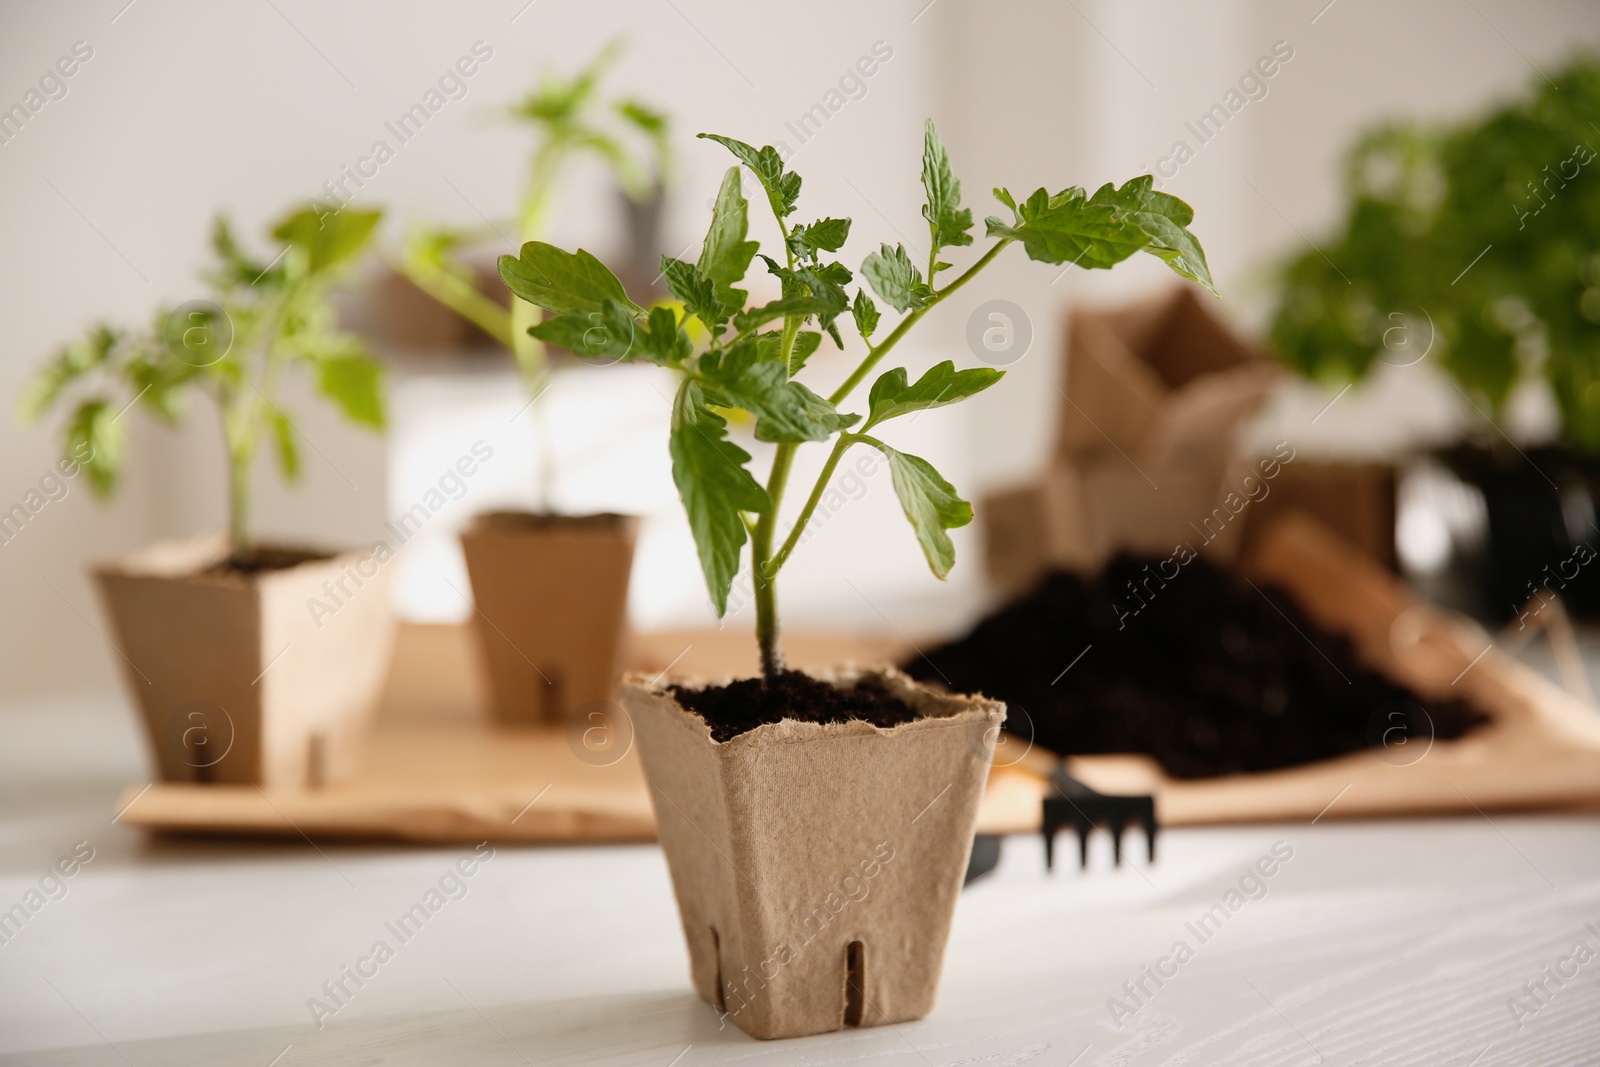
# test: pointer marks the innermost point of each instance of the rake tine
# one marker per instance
(1070, 801)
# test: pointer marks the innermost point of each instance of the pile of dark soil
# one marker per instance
(1200, 671)
(743, 705)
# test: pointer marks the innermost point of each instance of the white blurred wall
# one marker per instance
(187, 108)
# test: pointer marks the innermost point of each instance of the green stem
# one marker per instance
(839, 447)
(459, 295)
(236, 417)
(874, 355)
(764, 573)
(529, 350)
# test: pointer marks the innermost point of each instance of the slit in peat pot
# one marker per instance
(855, 983)
(716, 954)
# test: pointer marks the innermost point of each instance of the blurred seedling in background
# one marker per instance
(264, 319)
(573, 121)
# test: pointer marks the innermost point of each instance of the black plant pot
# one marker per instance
(1542, 529)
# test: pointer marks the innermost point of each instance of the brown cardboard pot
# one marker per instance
(552, 596)
(817, 866)
(268, 678)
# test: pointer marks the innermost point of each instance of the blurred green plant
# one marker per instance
(1489, 229)
(264, 318)
(572, 122)
(754, 351)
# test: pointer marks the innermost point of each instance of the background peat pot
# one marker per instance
(816, 865)
(552, 597)
(238, 678)
(1155, 396)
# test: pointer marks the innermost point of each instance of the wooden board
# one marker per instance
(438, 772)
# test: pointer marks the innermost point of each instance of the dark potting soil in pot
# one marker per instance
(264, 558)
(546, 520)
(732, 709)
(1201, 671)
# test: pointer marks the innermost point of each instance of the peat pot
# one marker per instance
(817, 865)
(552, 598)
(268, 676)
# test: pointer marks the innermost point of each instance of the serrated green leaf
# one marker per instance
(237, 266)
(714, 486)
(891, 396)
(558, 280)
(825, 235)
(610, 333)
(866, 314)
(829, 274)
(930, 503)
(826, 304)
(698, 292)
(1164, 219)
(896, 279)
(1068, 228)
(785, 410)
(663, 339)
(329, 236)
(725, 257)
(354, 381)
(948, 221)
(782, 186)
(805, 343)
(66, 366)
(97, 440)
(285, 447)
(769, 346)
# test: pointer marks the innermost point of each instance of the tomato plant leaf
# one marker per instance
(930, 503)
(558, 280)
(1164, 219)
(328, 236)
(725, 257)
(1068, 228)
(866, 314)
(896, 279)
(782, 186)
(354, 381)
(785, 410)
(714, 486)
(95, 439)
(948, 221)
(891, 396)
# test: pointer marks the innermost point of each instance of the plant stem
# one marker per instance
(764, 573)
(839, 447)
(766, 563)
(905, 324)
(236, 440)
(459, 295)
(530, 352)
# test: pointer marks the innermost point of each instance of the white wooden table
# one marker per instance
(1378, 942)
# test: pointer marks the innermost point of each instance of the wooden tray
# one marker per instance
(438, 772)
(1542, 751)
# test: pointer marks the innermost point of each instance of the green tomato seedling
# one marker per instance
(753, 352)
(264, 318)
